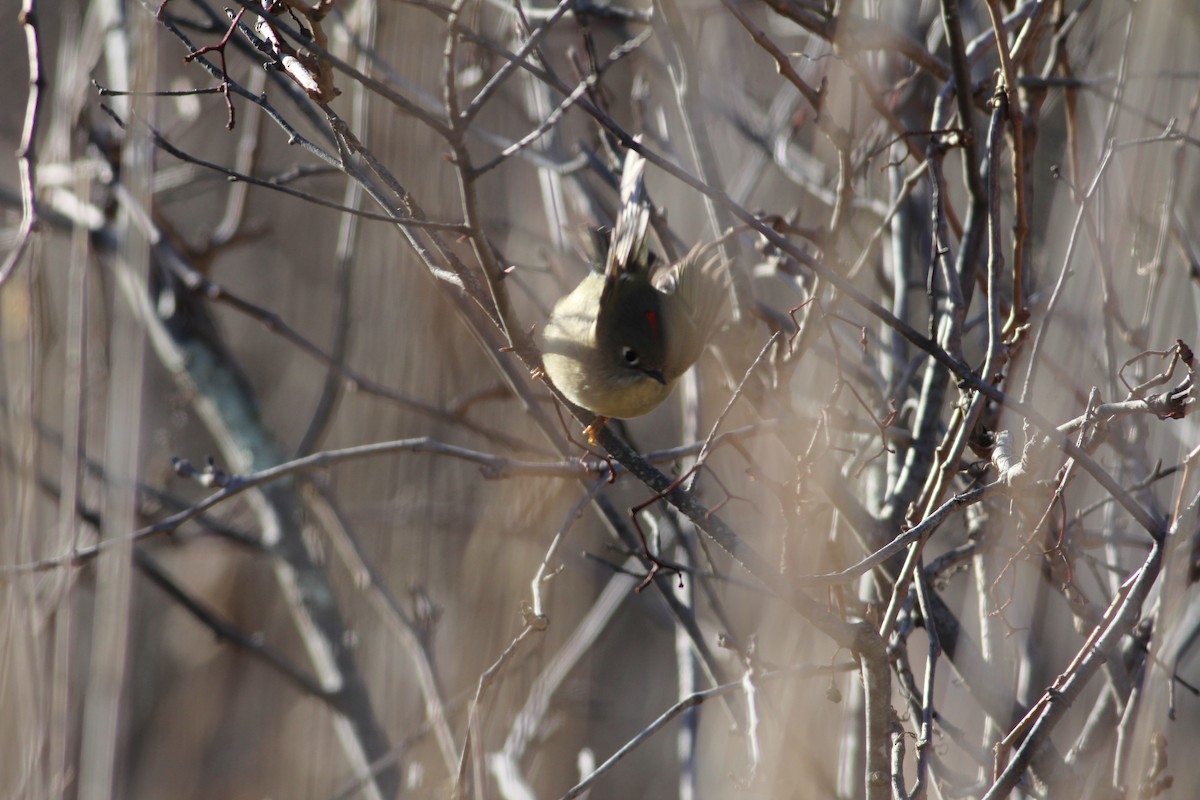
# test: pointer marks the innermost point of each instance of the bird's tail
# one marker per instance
(628, 249)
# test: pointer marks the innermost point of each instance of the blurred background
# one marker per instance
(324, 245)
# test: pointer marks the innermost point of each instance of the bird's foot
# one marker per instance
(593, 431)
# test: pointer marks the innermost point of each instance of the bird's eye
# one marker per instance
(630, 355)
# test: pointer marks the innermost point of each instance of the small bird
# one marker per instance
(618, 342)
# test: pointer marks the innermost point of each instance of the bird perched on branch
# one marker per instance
(617, 343)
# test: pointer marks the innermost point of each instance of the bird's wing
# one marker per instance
(698, 292)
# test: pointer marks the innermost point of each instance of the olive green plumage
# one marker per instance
(617, 343)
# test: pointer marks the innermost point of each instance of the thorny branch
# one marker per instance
(888, 449)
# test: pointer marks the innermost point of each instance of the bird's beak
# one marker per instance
(657, 375)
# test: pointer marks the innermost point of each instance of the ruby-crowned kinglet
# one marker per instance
(618, 342)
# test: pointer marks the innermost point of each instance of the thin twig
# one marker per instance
(27, 152)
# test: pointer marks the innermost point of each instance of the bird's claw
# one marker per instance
(593, 431)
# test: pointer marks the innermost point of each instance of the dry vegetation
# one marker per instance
(286, 510)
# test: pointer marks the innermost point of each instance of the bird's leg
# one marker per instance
(583, 459)
(593, 431)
